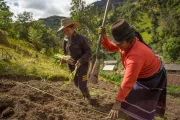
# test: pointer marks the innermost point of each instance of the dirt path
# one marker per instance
(43, 100)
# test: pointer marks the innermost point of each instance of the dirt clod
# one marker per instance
(8, 112)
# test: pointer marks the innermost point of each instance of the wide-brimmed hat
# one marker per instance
(121, 31)
(67, 22)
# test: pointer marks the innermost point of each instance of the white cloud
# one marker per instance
(42, 8)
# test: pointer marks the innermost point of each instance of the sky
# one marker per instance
(42, 8)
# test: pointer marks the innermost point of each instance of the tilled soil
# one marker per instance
(43, 100)
(173, 80)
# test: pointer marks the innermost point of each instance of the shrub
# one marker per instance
(172, 48)
(3, 37)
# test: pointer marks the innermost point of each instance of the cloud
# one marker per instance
(42, 8)
(16, 4)
(35, 4)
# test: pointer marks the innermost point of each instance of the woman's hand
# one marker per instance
(70, 61)
(62, 61)
(67, 60)
(78, 64)
(102, 31)
(114, 113)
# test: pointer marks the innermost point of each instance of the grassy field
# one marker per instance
(26, 61)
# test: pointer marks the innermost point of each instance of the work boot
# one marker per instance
(93, 102)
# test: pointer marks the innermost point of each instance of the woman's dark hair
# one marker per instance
(138, 35)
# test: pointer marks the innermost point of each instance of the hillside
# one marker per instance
(52, 22)
(157, 21)
(21, 59)
(116, 3)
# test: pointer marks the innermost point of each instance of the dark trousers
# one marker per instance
(80, 81)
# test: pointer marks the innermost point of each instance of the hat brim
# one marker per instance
(76, 25)
(115, 42)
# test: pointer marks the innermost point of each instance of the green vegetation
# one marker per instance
(111, 77)
(157, 21)
(5, 19)
(174, 91)
(26, 61)
(33, 43)
(159, 118)
(71, 77)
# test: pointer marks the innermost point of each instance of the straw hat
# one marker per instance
(67, 22)
(121, 31)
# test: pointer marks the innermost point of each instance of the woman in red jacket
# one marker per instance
(142, 94)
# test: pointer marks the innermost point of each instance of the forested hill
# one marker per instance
(52, 22)
(102, 3)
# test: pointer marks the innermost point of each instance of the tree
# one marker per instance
(42, 37)
(48, 39)
(89, 20)
(85, 15)
(14, 32)
(5, 16)
(25, 19)
(172, 49)
(35, 34)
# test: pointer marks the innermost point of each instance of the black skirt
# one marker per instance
(147, 97)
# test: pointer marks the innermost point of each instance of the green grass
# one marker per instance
(29, 62)
(111, 76)
(37, 68)
(174, 91)
(177, 62)
(159, 118)
(23, 47)
(12, 52)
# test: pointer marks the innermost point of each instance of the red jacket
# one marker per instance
(139, 62)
